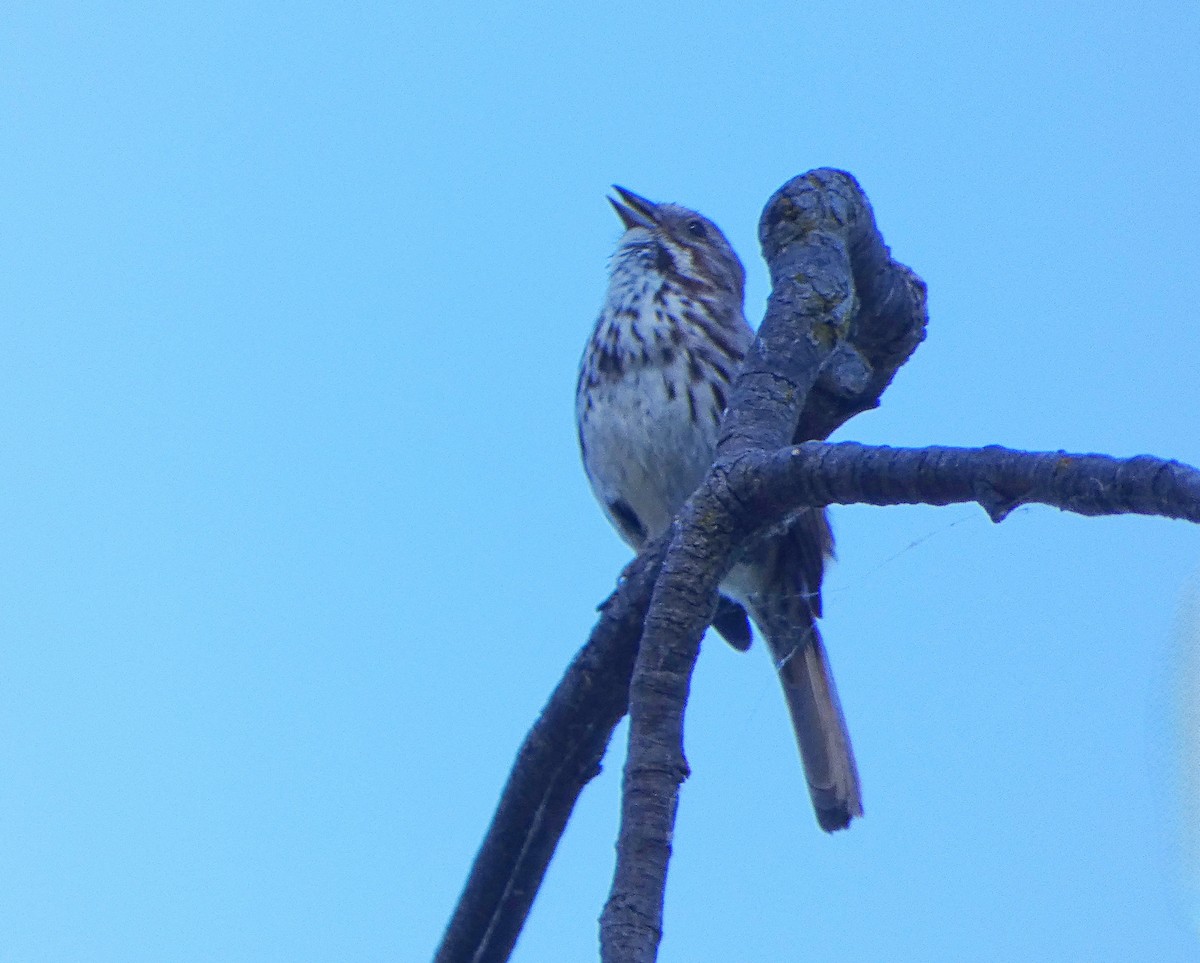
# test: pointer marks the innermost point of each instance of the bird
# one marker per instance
(653, 386)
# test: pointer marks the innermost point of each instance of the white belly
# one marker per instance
(645, 449)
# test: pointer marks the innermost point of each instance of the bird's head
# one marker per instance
(678, 243)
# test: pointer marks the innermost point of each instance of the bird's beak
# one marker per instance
(634, 211)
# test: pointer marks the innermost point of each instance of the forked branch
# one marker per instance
(843, 317)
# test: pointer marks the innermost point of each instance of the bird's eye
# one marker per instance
(696, 228)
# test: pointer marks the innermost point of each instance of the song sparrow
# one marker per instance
(652, 389)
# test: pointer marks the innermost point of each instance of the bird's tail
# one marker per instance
(780, 580)
(820, 728)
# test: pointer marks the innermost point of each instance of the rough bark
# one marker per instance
(842, 318)
(559, 756)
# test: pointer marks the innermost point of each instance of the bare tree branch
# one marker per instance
(560, 755)
(999, 479)
(563, 750)
(842, 318)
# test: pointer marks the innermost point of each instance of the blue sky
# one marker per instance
(296, 541)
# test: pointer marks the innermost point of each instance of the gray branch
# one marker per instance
(560, 755)
(999, 479)
(842, 318)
